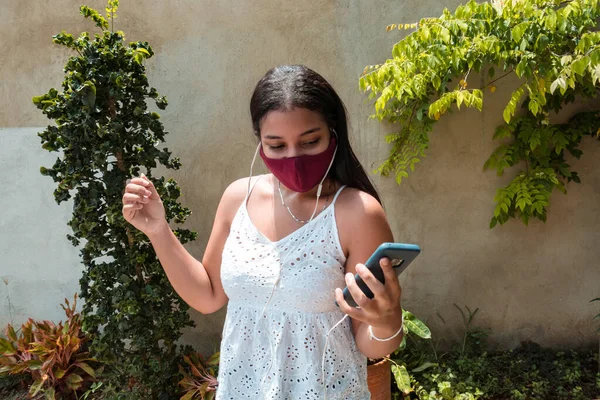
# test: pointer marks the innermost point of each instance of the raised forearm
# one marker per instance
(187, 275)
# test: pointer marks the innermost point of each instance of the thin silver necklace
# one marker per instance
(301, 221)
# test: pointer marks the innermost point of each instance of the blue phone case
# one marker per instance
(401, 254)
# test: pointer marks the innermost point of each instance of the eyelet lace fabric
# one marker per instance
(278, 354)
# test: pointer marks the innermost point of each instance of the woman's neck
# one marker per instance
(329, 187)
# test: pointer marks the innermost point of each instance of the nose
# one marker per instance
(293, 151)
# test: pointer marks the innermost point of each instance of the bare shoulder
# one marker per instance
(358, 205)
(236, 192)
(232, 199)
(360, 218)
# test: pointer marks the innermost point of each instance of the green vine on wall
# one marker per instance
(105, 134)
(551, 46)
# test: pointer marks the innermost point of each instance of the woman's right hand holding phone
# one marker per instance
(142, 206)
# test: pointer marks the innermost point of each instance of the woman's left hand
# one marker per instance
(384, 309)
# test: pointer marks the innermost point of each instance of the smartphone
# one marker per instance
(400, 255)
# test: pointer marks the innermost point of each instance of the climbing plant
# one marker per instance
(106, 133)
(551, 46)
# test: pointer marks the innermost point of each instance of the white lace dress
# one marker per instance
(278, 354)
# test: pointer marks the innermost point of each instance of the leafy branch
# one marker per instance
(552, 46)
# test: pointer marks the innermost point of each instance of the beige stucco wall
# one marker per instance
(529, 282)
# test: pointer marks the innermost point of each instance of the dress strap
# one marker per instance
(337, 194)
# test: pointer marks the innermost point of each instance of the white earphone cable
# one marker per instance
(282, 263)
(325, 353)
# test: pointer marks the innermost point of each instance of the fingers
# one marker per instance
(129, 210)
(142, 186)
(131, 198)
(137, 193)
(138, 180)
(373, 283)
(391, 279)
(137, 189)
(132, 207)
(149, 185)
(345, 307)
(357, 294)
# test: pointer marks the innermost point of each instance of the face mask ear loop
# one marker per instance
(321, 185)
(252, 166)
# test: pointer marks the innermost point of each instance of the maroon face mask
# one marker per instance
(301, 173)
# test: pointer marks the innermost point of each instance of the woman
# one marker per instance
(282, 247)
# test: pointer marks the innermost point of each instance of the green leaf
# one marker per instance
(36, 387)
(517, 31)
(38, 99)
(34, 365)
(503, 131)
(521, 68)
(73, 381)
(566, 60)
(50, 394)
(542, 42)
(402, 343)
(534, 140)
(580, 66)
(416, 326)
(534, 107)
(11, 334)
(88, 93)
(509, 111)
(445, 34)
(424, 366)
(554, 85)
(189, 395)
(138, 57)
(493, 222)
(524, 44)
(402, 378)
(436, 81)
(550, 20)
(477, 99)
(460, 96)
(89, 370)
(6, 347)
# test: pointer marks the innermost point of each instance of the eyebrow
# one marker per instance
(308, 132)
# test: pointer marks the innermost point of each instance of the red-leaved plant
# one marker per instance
(201, 380)
(53, 355)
